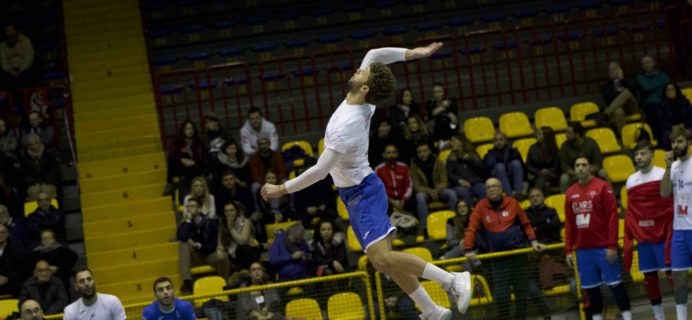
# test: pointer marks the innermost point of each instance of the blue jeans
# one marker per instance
(516, 170)
(422, 200)
(477, 190)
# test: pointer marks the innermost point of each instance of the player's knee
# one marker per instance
(382, 262)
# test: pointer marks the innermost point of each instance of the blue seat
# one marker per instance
(53, 75)
(589, 4)
(170, 89)
(288, 15)
(191, 28)
(361, 35)
(416, 1)
(572, 36)
(186, 2)
(272, 76)
(609, 31)
(557, 8)
(223, 24)
(381, 4)
(511, 44)
(197, 56)
(353, 7)
(235, 81)
(267, 47)
(391, 31)
(159, 33)
(471, 50)
(256, 20)
(460, 22)
(163, 60)
(428, 26)
(230, 52)
(441, 54)
(340, 67)
(493, 17)
(330, 38)
(525, 13)
(297, 43)
(540, 40)
(307, 71)
(203, 85)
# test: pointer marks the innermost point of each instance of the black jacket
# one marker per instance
(12, 266)
(206, 233)
(470, 170)
(50, 295)
(545, 222)
(37, 221)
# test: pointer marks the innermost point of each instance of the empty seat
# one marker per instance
(557, 202)
(320, 146)
(481, 292)
(300, 143)
(515, 124)
(687, 92)
(560, 138)
(523, 145)
(345, 305)
(303, 309)
(623, 197)
(421, 252)
(479, 129)
(579, 111)
(272, 228)
(619, 167)
(483, 149)
(351, 240)
(550, 117)
(444, 154)
(659, 158)
(8, 306)
(630, 133)
(341, 209)
(209, 285)
(437, 224)
(606, 139)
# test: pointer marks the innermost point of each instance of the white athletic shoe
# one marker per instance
(439, 313)
(462, 289)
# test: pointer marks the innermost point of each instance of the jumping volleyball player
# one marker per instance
(346, 158)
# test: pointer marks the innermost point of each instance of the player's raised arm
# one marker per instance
(391, 55)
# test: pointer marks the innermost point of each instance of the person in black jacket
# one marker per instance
(198, 236)
(45, 217)
(61, 258)
(544, 220)
(329, 251)
(674, 110)
(504, 163)
(619, 94)
(315, 203)
(442, 112)
(46, 289)
(39, 164)
(405, 107)
(384, 136)
(232, 190)
(465, 170)
(543, 160)
(11, 265)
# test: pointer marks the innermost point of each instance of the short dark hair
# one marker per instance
(439, 84)
(84, 269)
(577, 127)
(162, 280)
(193, 200)
(582, 156)
(420, 144)
(229, 173)
(644, 144)
(680, 130)
(254, 110)
(381, 83)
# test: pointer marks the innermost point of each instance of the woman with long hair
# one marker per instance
(329, 250)
(405, 107)
(233, 158)
(237, 236)
(543, 160)
(415, 133)
(200, 191)
(675, 110)
(185, 156)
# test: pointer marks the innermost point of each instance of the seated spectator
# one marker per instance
(290, 255)
(31, 310)
(405, 107)
(9, 196)
(16, 59)
(33, 191)
(46, 216)
(651, 83)
(8, 141)
(504, 162)
(17, 230)
(62, 259)
(237, 236)
(456, 228)
(415, 133)
(442, 112)
(232, 190)
(11, 265)
(544, 220)
(465, 170)
(185, 157)
(275, 209)
(39, 164)
(45, 288)
(316, 202)
(543, 160)
(200, 192)
(676, 110)
(215, 136)
(619, 94)
(384, 137)
(430, 183)
(166, 304)
(265, 159)
(329, 250)
(198, 236)
(255, 128)
(260, 304)
(38, 127)
(396, 178)
(576, 145)
(231, 158)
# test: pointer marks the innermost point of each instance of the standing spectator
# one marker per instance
(91, 304)
(415, 133)
(378, 141)
(231, 190)
(316, 202)
(543, 160)
(185, 156)
(260, 304)
(9, 196)
(46, 216)
(651, 83)
(16, 59)
(591, 228)
(430, 183)
(45, 288)
(544, 220)
(465, 170)
(200, 192)
(198, 236)
(39, 164)
(230, 158)
(506, 227)
(504, 162)
(61, 258)
(265, 159)
(237, 236)
(8, 141)
(442, 112)
(255, 128)
(289, 254)
(166, 305)
(31, 310)
(577, 144)
(11, 265)
(619, 95)
(396, 178)
(329, 250)
(405, 107)
(215, 136)
(17, 230)
(38, 127)
(675, 110)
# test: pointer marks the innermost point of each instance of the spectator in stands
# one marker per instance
(10, 197)
(17, 230)
(198, 236)
(238, 236)
(92, 305)
(290, 255)
(543, 160)
(675, 110)
(544, 220)
(8, 141)
(378, 141)
(397, 180)
(456, 229)
(215, 136)
(265, 159)
(200, 192)
(31, 310)
(415, 133)
(619, 94)
(430, 182)
(61, 258)
(442, 112)
(465, 170)
(234, 159)
(16, 59)
(506, 227)
(277, 209)
(11, 265)
(45, 288)
(576, 145)
(316, 202)
(261, 304)
(504, 162)
(651, 82)
(231, 190)
(405, 107)
(329, 250)
(46, 216)
(37, 126)
(39, 164)
(185, 156)
(166, 304)
(255, 128)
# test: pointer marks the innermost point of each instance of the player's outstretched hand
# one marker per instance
(270, 191)
(423, 52)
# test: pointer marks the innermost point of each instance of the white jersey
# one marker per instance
(106, 307)
(637, 178)
(681, 178)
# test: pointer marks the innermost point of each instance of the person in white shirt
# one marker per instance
(678, 180)
(254, 128)
(93, 305)
(346, 158)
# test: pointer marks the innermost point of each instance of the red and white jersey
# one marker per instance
(681, 177)
(637, 178)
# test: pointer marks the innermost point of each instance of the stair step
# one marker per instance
(113, 81)
(137, 271)
(127, 226)
(116, 242)
(138, 291)
(131, 193)
(127, 209)
(109, 124)
(104, 21)
(114, 74)
(87, 35)
(144, 254)
(110, 63)
(128, 165)
(123, 180)
(97, 155)
(100, 109)
(112, 136)
(112, 92)
(94, 145)
(104, 46)
(81, 8)
(76, 57)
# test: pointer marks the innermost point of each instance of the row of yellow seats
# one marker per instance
(344, 305)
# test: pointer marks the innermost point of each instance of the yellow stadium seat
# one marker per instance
(550, 117)
(524, 204)
(523, 145)
(320, 146)
(363, 263)
(202, 270)
(421, 252)
(396, 242)
(479, 129)
(209, 285)
(274, 227)
(659, 158)
(557, 291)
(31, 206)
(687, 92)
(606, 139)
(437, 224)
(557, 202)
(619, 167)
(579, 111)
(637, 276)
(630, 132)
(623, 197)
(560, 138)
(484, 296)
(515, 124)
(8, 306)
(341, 209)
(351, 240)
(303, 309)
(345, 306)
(439, 296)
(300, 143)
(483, 149)
(444, 154)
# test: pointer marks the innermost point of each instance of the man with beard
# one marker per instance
(93, 305)
(167, 306)
(395, 176)
(678, 181)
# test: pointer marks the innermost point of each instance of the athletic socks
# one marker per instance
(658, 312)
(627, 315)
(421, 297)
(435, 273)
(681, 310)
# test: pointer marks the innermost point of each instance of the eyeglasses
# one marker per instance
(36, 312)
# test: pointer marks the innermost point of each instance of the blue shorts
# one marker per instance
(681, 250)
(652, 257)
(367, 205)
(594, 268)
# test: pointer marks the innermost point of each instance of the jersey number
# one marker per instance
(583, 220)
